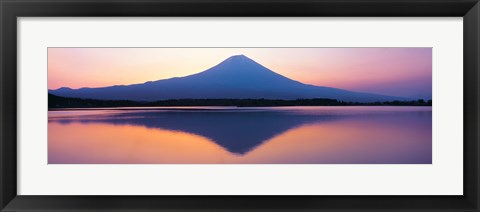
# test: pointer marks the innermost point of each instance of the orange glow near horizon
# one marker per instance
(391, 71)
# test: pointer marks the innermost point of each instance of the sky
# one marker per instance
(403, 72)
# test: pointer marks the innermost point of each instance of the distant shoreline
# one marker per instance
(58, 102)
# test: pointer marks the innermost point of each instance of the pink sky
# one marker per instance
(403, 72)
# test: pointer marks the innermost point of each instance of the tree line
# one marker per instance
(64, 102)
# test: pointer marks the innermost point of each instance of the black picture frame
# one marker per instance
(11, 9)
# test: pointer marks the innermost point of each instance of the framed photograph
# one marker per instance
(239, 105)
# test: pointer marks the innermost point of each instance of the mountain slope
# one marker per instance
(237, 77)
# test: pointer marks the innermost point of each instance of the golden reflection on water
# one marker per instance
(350, 141)
(105, 143)
(343, 142)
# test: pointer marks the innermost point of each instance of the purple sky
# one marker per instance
(405, 72)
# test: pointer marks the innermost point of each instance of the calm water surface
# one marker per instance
(229, 135)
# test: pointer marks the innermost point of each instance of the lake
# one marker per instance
(241, 135)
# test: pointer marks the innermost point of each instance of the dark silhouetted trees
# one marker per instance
(64, 102)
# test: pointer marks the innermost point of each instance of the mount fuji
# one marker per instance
(237, 77)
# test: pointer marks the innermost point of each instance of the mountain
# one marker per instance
(237, 77)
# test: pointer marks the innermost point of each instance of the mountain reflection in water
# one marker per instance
(287, 135)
